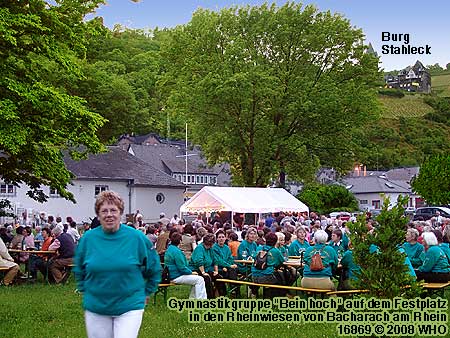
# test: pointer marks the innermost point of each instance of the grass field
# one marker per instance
(38, 310)
(407, 106)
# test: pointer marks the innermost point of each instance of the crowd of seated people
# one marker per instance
(210, 250)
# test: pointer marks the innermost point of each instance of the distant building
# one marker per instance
(412, 79)
(371, 188)
(142, 186)
(170, 157)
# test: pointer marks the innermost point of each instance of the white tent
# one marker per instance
(243, 200)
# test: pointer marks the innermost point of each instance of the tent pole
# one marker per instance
(232, 217)
(255, 220)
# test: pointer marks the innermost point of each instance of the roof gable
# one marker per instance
(118, 164)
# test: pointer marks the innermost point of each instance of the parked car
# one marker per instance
(409, 211)
(426, 213)
(343, 215)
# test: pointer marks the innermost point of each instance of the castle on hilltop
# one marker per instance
(412, 79)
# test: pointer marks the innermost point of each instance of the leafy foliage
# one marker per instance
(327, 198)
(383, 271)
(273, 86)
(433, 181)
(38, 119)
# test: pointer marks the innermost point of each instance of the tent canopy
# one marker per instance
(243, 200)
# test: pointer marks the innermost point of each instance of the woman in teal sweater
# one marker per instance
(300, 245)
(247, 248)
(203, 262)
(320, 279)
(179, 271)
(435, 267)
(268, 274)
(116, 268)
(413, 249)
(224, 261)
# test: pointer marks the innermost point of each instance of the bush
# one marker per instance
(391, 92)
(383, 272)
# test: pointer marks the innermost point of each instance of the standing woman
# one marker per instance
(116, 268)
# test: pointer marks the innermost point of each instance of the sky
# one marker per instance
(426, 22)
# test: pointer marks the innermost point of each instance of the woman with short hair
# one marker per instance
(300, 245)
(316, 278)
(224, 260)
(413, 249)
(435, 267)
(203, 262)
(179, 271)
(247, 248)
(116, 268)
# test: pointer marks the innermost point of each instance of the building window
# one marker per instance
(376, 204)
(192, 178)
(197, 178)
(363, 202)
(7, 189)
(201, 179)
(100, 188)
(160, 198)
(212, 180)
(184, 179)
(53, 193)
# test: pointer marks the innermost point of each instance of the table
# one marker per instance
(32, 252)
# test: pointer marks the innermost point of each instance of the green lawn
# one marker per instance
(37, 310)
(40, 310)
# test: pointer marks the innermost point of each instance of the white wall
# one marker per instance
(142, 198)
(376, 196)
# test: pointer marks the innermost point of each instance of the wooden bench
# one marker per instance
(314, 292)
(436, 288)
(162, 288)
(346, 293)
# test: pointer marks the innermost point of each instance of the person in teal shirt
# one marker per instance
(224, 261)
(269, 274)
(337, 243)
(350, 270)
(179, 272)
(203, 262)
(116, 268)
(413, 249)
(280, 245)
(300, 245)
(320, 279)
(435, 267)
(247, 249)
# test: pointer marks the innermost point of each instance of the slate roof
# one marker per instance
(402, 174)
(375, 184)
(164, 157)
(118, 164)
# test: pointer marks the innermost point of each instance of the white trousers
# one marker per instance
(124, 326)
(198, 290)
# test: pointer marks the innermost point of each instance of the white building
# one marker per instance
(142, 186)
(371, 190)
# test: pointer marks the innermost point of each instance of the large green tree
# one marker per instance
(271, 90)
(327, 198)
(433, 181)
(39, 120)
